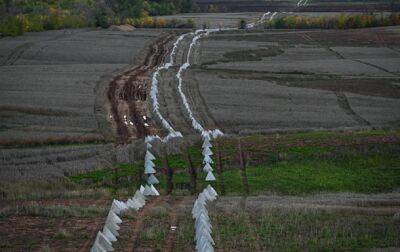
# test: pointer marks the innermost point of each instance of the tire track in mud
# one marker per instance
(340, 56)
(193, 94)
(18, 51)
(375, 66)
(16, 54)
(93, 230)
(199, 103)
(342, 100)
(127, 95)
(133, 243)
(170, 240)
(345, 106)
(173, 109)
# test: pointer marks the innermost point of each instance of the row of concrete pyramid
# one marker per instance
(149, 170)
(109, 233)
(207, 160)
(203, 227)
(154, 93)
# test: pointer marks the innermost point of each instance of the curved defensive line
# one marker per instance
(197, 35)
(154, 93)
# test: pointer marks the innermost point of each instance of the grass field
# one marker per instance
(292, 164)
(315, 112)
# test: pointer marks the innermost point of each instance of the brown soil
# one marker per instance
(170, 240)
(128, 95)
(27, 233)
(130, 229)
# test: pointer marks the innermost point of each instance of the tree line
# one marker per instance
(334, 22)
(19, 16)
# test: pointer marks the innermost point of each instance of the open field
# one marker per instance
(254, 82)
(309, 190)
(292, 5)
(310, 159)
(58, 76)
(339, 221)
(217, 20)
(52, 101)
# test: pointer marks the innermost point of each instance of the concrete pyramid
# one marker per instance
(211, 190)
(206, 144)
(207, 168)
(207, 151)
(139, 196)
(97, 248)
(155, 192)
(118, 206)
(203, 224)
(134, 204)
(112, 229)
(102, 240)
(203, 217)
(217, 133)
(205, 135)
(149, 167)
(148, 191)
(204, 234)
(113, 218)
(209, 196)
(149, 156)
(152, 180)
(207, 160)
(206, 247)
(210, 176)
(110, 236)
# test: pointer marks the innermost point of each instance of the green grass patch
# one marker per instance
(301, 163)
(361, 174)
(54, 211)
(297, 230)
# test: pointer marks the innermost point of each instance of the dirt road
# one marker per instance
(127, 95)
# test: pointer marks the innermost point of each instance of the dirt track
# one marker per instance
(296, 80)
(128, 95)
(53, 94)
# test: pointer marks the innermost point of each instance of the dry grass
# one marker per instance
(294, 229)
(54, 211)
(60, 189)
(60, 140)
(36, 111)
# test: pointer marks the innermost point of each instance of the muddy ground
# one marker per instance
(267, 81)
(51, 80)
(53, 114)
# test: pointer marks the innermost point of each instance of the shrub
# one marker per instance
(242, 24)
(338, 22)
(11, 26)
(100, 17)
(33, 23)
(42, 15)
(190, 23)
(160, 22)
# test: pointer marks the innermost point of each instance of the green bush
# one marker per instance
(39, 15)
(11, 26)
(242, 24)
(33, 23)
(333, 22)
